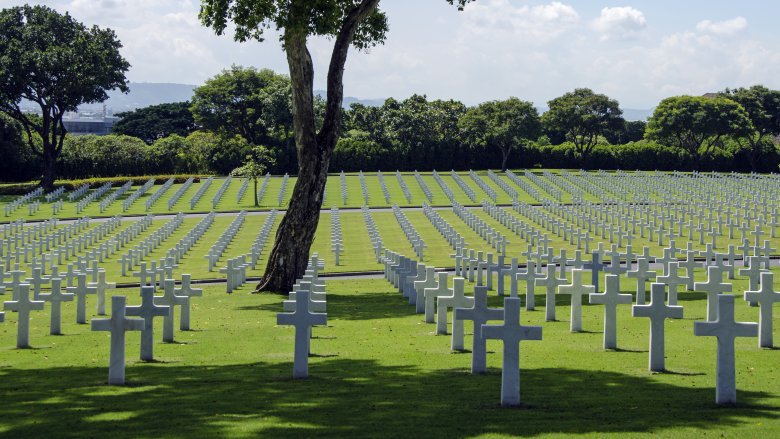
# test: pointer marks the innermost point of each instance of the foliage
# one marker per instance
(763, 108)
(697, 124)
(156, 121)
(632, 131)
(254, 104)
(505, 125)
(57, 63)
(110, 155)
(255, 165)
(18, 161)
(583, 116)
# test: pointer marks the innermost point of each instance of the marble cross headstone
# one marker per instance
(672, 280)
(432, 293)
(577, 290)
(766, 297)
(81, 290)
(186, 290)
(610, 298)
(642, 275)
(100, 289)
(117, 324)
(551, 282)
(56, 297)
(148, 310)
(657, 311)
(511, 333)
(24, 306)
(479, 314)
(726, 329)
(713, 287)
(303, 320)
(172, 300)
(457, 299)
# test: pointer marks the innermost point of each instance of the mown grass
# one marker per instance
(377, 371)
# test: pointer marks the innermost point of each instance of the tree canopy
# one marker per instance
(505, 125)
(763, 108)
(54, 61)
(583, 116)
(156, 121)
(696, 124)
(254, 104)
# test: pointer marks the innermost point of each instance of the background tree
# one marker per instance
(632, 131)
(350, 23)
(244, 101)
(763, 109)
(156, 121)
(696, 124)
(254, 167)
(57, 63)
(506, 125)
(584, 116)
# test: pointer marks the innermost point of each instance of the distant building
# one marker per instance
(79, 124)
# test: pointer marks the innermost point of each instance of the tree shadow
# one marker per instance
(365, 306)
(346, 397)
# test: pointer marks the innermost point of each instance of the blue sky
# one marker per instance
(637, 51)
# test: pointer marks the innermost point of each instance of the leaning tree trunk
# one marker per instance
(49, 169)
(290, 253)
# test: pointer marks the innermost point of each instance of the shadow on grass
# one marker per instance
(365, 306)
(351, 398)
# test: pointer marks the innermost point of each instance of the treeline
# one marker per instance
(734, 130)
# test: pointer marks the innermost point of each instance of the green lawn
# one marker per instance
(376, 371)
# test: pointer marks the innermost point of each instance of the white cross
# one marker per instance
(511, 333)
(551, 281)
(642, 274)
(431, 294)
(303, 320)
(529, 276)
(81, 290)
(186, 290)
(23, 305)
(577, 290)
(657, 311)
(753, 272)
(765, 297)
(421, 285)
(148, 310)
(479, 314)
(672, 280)
(171, 299)
(726, 329)
(117, 324)
(56, 297)
(713, 287)
(610, 298)
(458, 299)
(100, 288)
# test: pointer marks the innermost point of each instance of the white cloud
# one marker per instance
(728, 27)
(538, 23)
(620, 23)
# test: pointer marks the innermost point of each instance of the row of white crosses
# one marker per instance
(423, 186)
(404, 187)
(336, 237)
(281, 197)
(490, 234)
(524, 185)
(180, 192)
(383, 186)
(220, 192)
(373, 233)
(500, 182)
(201, 190)
(256, 249)
(414, 238)
(444, 186)
(92, 196)
(159, 193)
(424, 287)
(9, 208)
(113, 196)
(221, 244)
(139, 252)
(464, 187)
(151, 306)
(137, 194)
(263, 187)
(235, 272)
(363, 188)
(305, 309)
(544, 184)
(344, 191)
(484, 186)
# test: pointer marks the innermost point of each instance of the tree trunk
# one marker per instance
(290, 253)
(257, 204)
(505, 157)
(49, 168)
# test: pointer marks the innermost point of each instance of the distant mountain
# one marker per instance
(143, 94)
